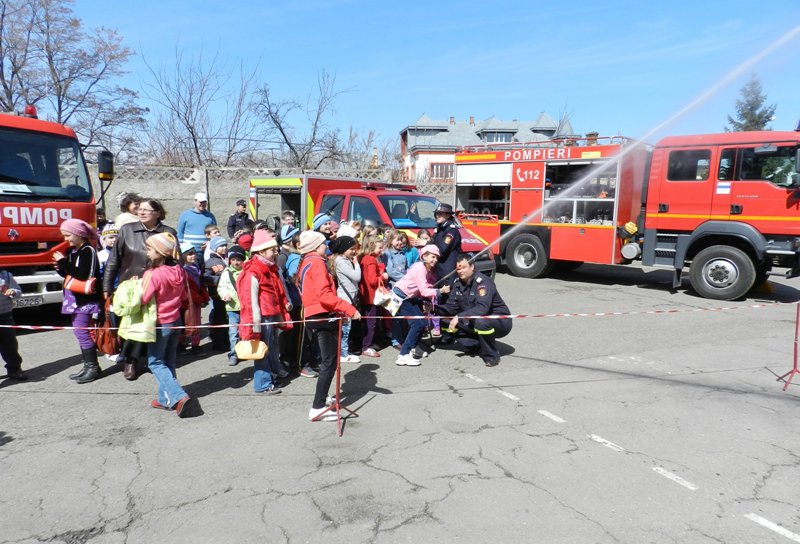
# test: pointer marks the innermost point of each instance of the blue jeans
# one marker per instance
(412, 307)
(161, 356)
(345, 336)
(233, 330)
(263, 368)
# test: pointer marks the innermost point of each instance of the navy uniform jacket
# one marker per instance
(478, 297)
(237, 222)
(448, 239)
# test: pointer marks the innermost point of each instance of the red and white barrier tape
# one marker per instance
(444, 318)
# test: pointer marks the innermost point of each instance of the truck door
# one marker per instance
(763, 194)
(687, 189)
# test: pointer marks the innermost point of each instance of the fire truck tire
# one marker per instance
(526, 257)
(722, 273)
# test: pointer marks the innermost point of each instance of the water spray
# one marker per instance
(635, 143)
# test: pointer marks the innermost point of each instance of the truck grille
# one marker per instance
(24, 248)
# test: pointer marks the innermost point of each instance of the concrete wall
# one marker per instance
(176, 187)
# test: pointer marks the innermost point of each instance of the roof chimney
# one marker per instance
(452, 120)
(472, 120)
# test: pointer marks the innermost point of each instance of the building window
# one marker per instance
(442, 171)
(497, 137)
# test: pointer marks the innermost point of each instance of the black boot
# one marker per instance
(91, 366)
(79, 373)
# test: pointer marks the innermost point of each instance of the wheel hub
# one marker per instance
(525, 256)
(720, 273)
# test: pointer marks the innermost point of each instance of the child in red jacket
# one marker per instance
(263, 304)
(373, 274)
(320, 301)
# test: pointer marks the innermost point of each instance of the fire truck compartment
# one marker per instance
(591, 243)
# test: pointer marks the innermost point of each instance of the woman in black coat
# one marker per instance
(127, 259)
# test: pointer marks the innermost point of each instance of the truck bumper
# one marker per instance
(38, 289)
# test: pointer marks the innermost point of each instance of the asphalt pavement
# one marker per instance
(621, 412)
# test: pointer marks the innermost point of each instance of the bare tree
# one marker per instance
(365, 151)
(48, 59)
(200, 120)
(302, 129)
(16, 29)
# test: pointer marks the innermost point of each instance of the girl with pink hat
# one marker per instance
(81, 266)
(412, 288)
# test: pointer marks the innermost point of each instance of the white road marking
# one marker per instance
(473, 378)
(508, 395)
(554, 417)
(606, 443)
(794, 537)
(675, 478)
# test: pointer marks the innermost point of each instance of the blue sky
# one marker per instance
(615, 67)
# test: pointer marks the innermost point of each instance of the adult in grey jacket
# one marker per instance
(127, 259)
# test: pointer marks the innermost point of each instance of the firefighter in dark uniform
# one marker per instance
(474, 294)
(448, 239)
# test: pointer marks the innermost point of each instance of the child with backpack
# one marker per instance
(166, 282)
(227, 292)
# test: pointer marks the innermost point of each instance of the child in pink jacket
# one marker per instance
(166, 282)
(413, 287)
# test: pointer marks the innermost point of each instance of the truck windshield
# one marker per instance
(36, 166)
(410, 211)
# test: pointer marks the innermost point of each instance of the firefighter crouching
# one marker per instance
(474, 294)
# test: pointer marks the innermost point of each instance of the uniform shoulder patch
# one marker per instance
(482, 291)
(448, 238)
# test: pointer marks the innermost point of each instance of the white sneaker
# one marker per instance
(406, 360)
(328, 415)
(112, 357)
(350, 359)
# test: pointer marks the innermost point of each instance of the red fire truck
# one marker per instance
(727, 205)
(369, 201)
(43, 181)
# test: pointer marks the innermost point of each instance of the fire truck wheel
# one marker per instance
(527, 257)
(722, 273)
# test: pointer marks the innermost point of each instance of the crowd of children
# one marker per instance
(281, 287)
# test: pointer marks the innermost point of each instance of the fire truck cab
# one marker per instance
(43, 181)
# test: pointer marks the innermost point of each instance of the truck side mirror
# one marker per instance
(105, 165)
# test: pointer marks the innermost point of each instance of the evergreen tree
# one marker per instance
(751, 113)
